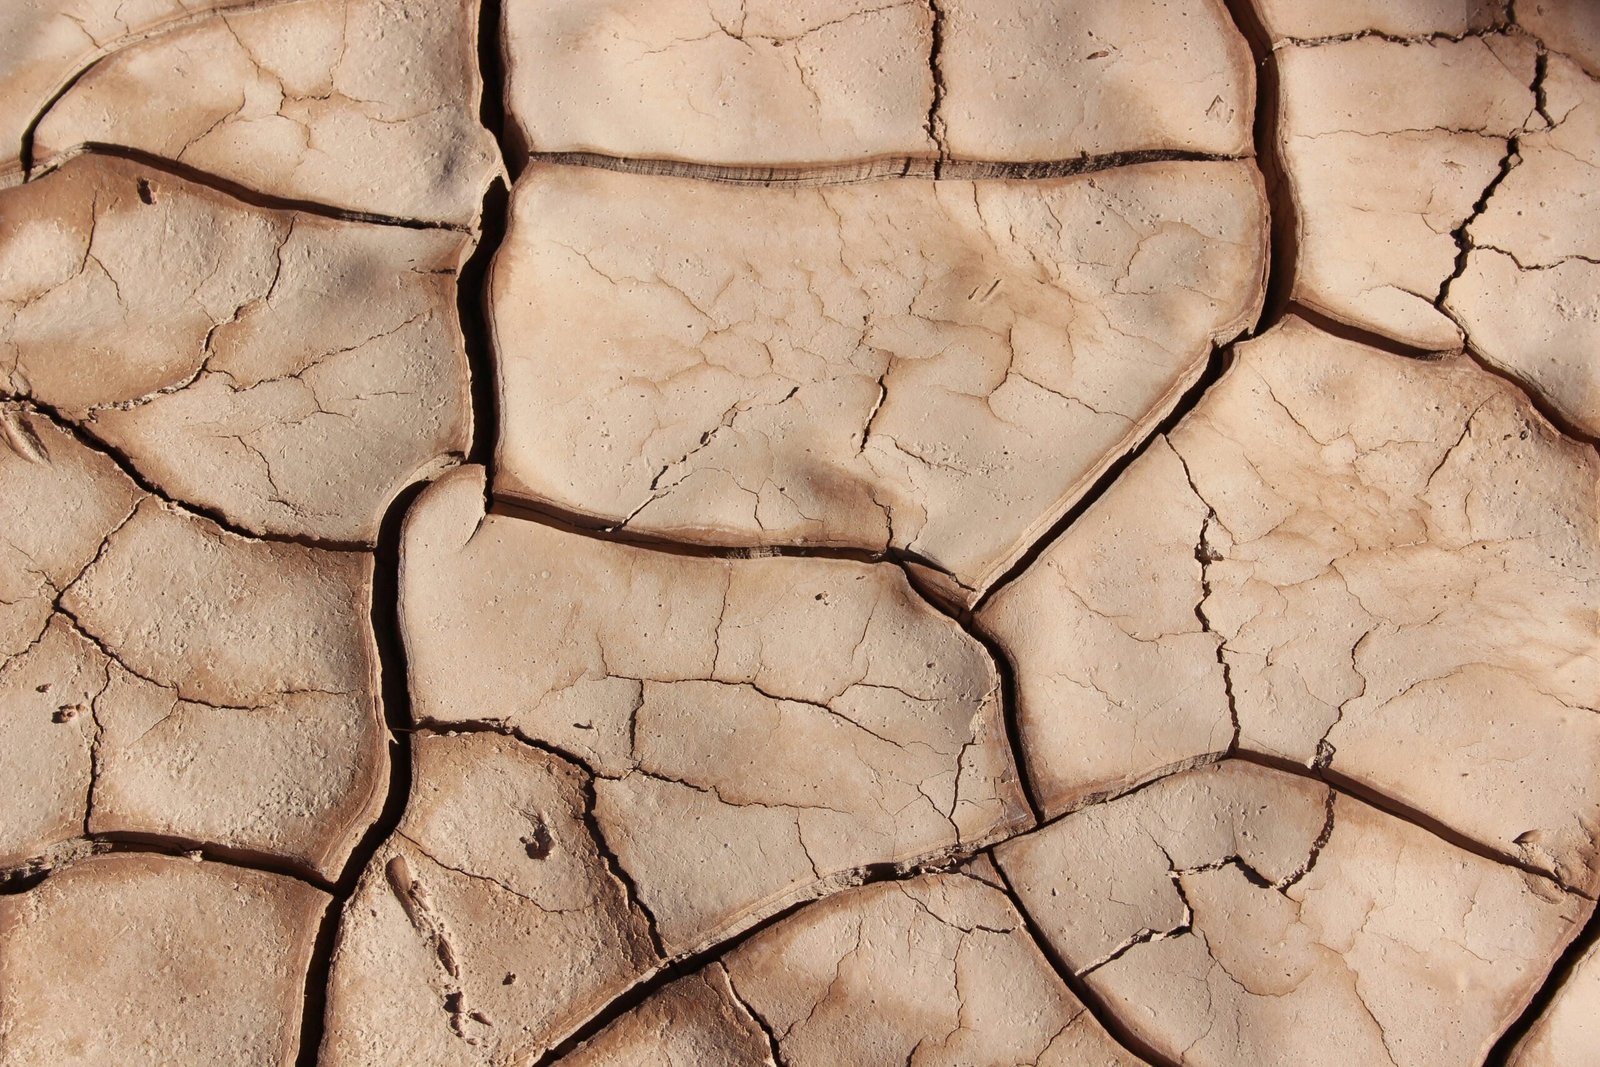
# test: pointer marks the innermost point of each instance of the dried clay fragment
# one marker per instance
(45, 44)
(764, 83)
(166, 678)
(1529, 293)
(1312, 20)
(155, 959)
(1384, 568)
(1570, 27)
(491, 923)
(364, 105)
(1236, 915)
(695, 1021)
(1383, 176)
(937, 970)
(1567, 1034)
(281, 369)
(938, 369)
(783, 722)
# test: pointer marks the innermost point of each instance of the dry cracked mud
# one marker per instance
(825, 532)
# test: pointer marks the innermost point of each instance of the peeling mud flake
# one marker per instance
(775, 83)
(969, 986)
(1384, 177)
(362, 105)
(1529, 293)
(285, 371)
(1567, 1034)
(1241, 915)
(153, 959)
(1310, 21)
(937, 369)
(241, 708)
(1380, 568)
(460, 945)
(46, 44)
(165, 677)
(784, 722)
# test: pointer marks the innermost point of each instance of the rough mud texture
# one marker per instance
(970, 986)
(775, 83)
(1276, 921)
(156, 959)
(832, 533)
(46, 44)
(230, 351)
(494, 898)
(876, 366)
(165, 677)
(1568, 1033)
(1337, 560)
(817, 706)
(365, 105)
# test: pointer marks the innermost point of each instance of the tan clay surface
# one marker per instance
(1313, 20)
(1297, 569)
(971, 987)
(799, 533)
(962, 360)
(493, 898)
(46, 44)
(771, 82)
(1529, 297)
(166, 701)
(698, 692)
(144, 959)
(230, 349)
(364, 105)
(1317, 929)
(1568, 1034)
(1381, 180)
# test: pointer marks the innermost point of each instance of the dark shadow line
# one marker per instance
(395, 697)
(1535, 399)
(1091, 1001)
(1283, 248)
(1217, 365)
(477, 332)
(95, 443)
(1361, 335)
(578, 524)
(29, 874)
(1406, 813)
(242, 193)
(1555, 981)
(492, 72)
(1005, 671)
(875, 169)
(1384, 343)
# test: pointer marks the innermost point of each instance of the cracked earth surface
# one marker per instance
(839, 532)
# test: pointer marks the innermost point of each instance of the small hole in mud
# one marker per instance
(539, 842)
(146, 193)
